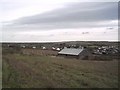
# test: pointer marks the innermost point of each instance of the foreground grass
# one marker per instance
(24, 71)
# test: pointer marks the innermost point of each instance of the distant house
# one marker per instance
(58, 49)
(53, 48)
(43, 47)
(78, 53)
(23, 46)
(34, 47)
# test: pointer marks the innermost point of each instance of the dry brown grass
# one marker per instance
(55, 72)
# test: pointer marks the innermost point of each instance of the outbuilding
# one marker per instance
(78, 53)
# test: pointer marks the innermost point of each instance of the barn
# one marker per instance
(78, 53)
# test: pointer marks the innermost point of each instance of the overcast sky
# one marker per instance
(58, 20)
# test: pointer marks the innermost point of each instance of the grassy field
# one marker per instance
(23, 71)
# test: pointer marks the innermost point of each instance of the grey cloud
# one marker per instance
(76, 12)
(73, 15)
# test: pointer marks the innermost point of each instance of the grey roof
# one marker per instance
(70, 51)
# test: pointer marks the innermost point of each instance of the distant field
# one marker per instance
(39, 52)
(26, 71)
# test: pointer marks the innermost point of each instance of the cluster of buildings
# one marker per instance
(35, 47)
(106, 50)
(76, 51)
(68, 51)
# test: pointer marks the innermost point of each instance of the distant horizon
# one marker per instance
(54, 41)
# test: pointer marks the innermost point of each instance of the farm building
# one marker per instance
(78, 53)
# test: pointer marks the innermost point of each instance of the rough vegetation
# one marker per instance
(25, 71)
